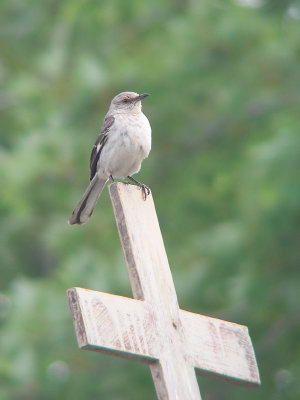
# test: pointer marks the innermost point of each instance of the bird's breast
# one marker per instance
(135, 134)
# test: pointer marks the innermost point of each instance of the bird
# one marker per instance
(123, 143)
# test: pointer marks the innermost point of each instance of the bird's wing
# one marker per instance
(98, 146)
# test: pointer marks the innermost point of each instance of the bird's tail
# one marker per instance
(85, 207)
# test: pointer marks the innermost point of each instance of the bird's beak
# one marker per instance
(142, 96)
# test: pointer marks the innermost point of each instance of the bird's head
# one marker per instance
(127, 102)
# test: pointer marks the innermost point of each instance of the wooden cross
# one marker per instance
(152, 328)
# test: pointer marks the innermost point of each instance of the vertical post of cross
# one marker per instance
(151, 280)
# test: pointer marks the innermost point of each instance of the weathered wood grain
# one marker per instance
(127, 328)
(151, 280)
(151, 328)
(114, 324)
(220, 347)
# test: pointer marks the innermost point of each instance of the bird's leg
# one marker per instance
(146, 191)
(111, 178)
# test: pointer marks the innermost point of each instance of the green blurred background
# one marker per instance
(224, 78)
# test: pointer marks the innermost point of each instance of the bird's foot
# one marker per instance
(145, 189)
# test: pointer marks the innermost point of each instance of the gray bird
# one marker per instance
(123, 143)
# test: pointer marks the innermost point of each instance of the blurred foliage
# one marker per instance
(224, 171)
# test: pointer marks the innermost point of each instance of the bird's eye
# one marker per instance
(126, 100)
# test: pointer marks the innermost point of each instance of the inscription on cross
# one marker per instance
(151, 328)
